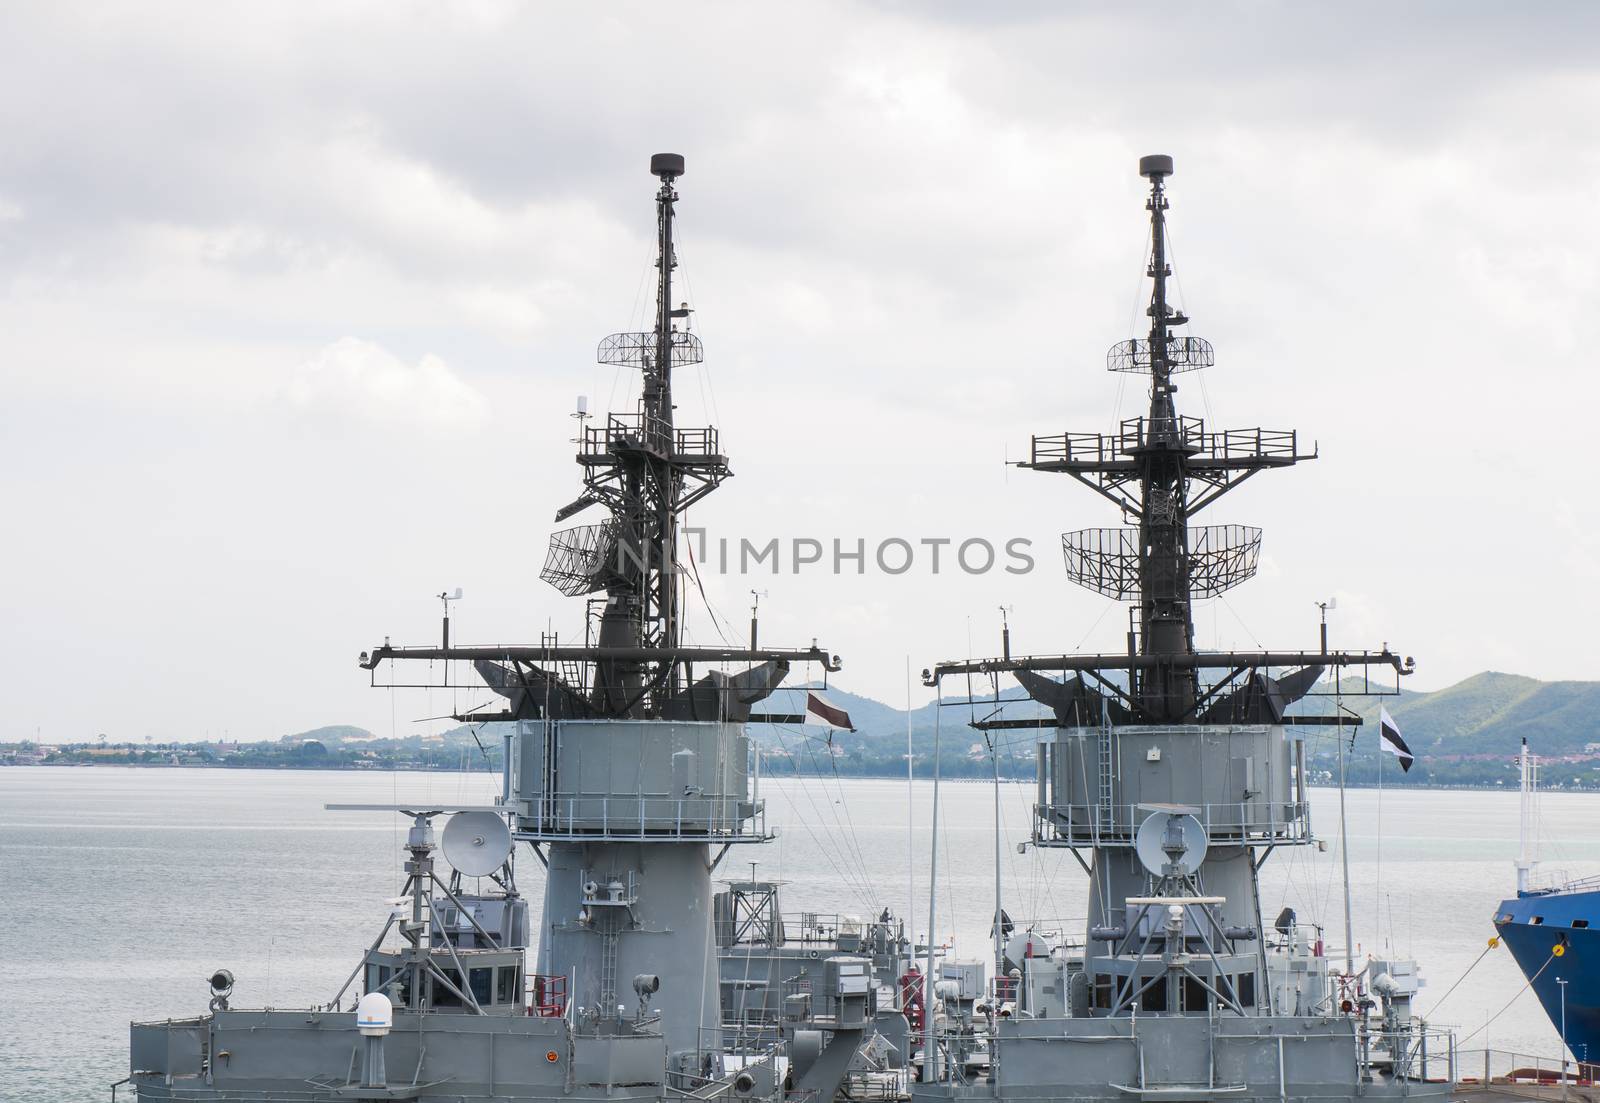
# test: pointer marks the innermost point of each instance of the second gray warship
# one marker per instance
(1170, 775)
(630, 777)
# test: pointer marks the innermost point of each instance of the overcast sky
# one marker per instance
(295, 301)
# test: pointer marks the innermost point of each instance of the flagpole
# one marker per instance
(911, 821)
(1344, 830)
(928, 1055)
(999, 910)
(1377, 883)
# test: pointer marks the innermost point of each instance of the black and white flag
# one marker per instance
(1389, 738)
(826, 713)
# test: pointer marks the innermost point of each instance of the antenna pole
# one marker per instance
(1160, 367)
(1000, 977)
(755, 610)
(929, 1057)
(911, 803)
(1165, 624)
(658, 374)
(446, 598)
(1344, 832)
(658, 401)
(1377, 878)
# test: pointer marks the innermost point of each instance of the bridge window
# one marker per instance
(506, 991)
(482, 984)
(442, 996)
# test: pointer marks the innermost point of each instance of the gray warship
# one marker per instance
(1171, 775)
(628, 772)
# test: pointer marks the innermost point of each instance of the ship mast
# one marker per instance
(1172, 774)
(1169, 766)
(656, 399)
(645, 471)
(1528, 817)
(1166, 627)
(639, 471)
(1160, 470)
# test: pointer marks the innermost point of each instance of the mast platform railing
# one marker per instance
(807, 926)
(1085, 824)
(1227, 447)
(632, 432)
(570, 816)
(1306, 938)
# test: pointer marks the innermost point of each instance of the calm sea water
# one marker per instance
(127, 887)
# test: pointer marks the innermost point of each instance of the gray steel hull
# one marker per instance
(308, 1055)
(1182, 1057)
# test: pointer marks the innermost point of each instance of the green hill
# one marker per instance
(1465, 734)
(333, 735)
(1491, 713)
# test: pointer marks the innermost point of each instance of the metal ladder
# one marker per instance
(609, 937)
(1107, 815)
(570, 671)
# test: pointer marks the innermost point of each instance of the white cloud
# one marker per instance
(357, 379)
(909, 231)
(514, 310)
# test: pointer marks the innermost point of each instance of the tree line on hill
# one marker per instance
(1465, 735)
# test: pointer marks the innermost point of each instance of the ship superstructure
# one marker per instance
(628, 772)
(1168, 773)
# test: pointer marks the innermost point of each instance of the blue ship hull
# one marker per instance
(1533, 925)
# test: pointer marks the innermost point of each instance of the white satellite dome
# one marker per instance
(374, 1015)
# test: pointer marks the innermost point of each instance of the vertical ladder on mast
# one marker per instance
(1107, 810)
(608, 964)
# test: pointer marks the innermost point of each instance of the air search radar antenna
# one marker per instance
(1171, 842)
(476, 843)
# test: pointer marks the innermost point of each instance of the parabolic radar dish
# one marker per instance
(476, 843)
(1150, 843)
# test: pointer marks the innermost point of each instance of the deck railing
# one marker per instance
(1085, 824)
(641, 816)
(1509, 1072)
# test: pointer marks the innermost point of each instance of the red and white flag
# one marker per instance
(826, 713)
